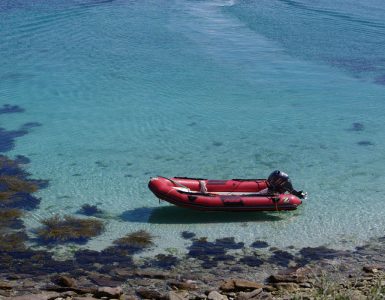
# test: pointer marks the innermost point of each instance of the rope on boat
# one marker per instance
(174, 182)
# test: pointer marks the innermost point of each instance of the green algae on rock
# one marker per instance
(69, 229)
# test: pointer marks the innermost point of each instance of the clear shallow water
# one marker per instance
(127, 90)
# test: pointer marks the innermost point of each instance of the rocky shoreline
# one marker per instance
(358, 274)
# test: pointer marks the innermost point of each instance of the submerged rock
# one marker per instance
(187, 235)
(162, 261)
(365, 143)
(281, 258)
(357, 126)
(8, 109)
(259, 244)
(90, 210)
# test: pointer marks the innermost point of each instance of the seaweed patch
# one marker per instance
(135, 241)
(15, 185)
(68, 228)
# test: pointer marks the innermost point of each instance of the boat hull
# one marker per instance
(221, 195)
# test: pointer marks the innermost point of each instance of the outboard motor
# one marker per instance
(279, 182)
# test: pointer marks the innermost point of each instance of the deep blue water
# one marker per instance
(119, 91)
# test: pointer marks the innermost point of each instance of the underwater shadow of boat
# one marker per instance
(177, 215)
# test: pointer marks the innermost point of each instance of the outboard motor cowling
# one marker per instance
(279, 182)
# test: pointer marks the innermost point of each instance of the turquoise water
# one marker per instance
(126, 90)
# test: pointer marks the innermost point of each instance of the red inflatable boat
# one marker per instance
(221, 195)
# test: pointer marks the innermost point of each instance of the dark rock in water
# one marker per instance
(162, 261)
(251, 260)
(87, 257)
(114, 254)
(259, 244)
(217, 144)
(357, 126)
(187, 235)
(26, 261)
(90, 210)
(225, 257)
(8, 109)
(281, 258)
(212, 252)
(229, 243)
(201, 248)
(30, 125)
(7, 138)
(209, 264)
(365, 143)
(310, 254)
